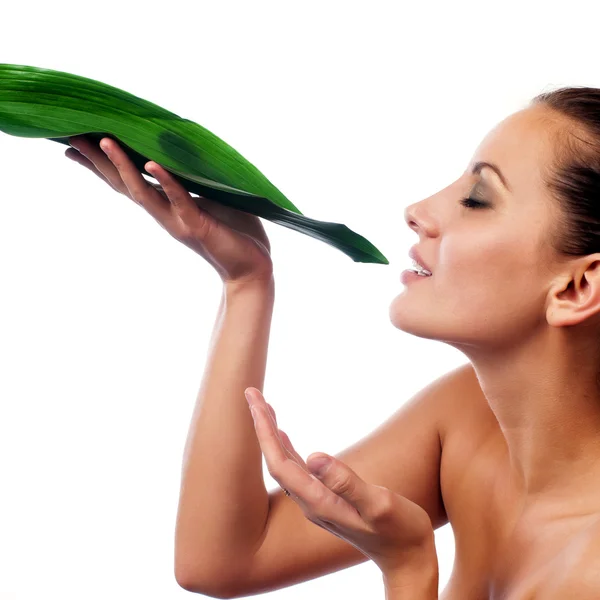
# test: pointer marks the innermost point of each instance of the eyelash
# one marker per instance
(472, 203)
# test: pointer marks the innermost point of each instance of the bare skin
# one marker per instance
(507, 548)
(503, 552)
(527, 502)
(519, 466)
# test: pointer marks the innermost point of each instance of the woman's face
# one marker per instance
(491, 264)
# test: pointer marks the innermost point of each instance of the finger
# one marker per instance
(344, 482)
(272, 411)
(77, 157)
(319, 504)
(190, 209)
(102, 164)
(276, 456)
(285, 440)
(283, 468)
(178, 196)
(90, 156)
(283, 437)
(308, 491)
(140, 190)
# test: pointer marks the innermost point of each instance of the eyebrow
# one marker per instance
(480, 165)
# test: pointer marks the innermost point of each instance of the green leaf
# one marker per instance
(43, 103)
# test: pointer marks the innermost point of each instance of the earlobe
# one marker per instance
(560, 317)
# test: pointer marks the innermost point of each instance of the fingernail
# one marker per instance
(253, 413)
(318, 466)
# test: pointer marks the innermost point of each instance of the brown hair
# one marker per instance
(574, 177)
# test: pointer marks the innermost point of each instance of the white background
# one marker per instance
(354, 110)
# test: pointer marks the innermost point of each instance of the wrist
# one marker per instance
(416, 586)
(263, 285)
(415, 580)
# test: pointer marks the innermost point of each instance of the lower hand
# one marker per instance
(388, 528)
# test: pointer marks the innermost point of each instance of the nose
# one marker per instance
(411, 218)
(420, 218)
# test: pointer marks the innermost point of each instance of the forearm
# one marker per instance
(223, 503)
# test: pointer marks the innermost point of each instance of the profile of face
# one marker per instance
(492, 266)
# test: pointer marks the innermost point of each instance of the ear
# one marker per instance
(575, 296)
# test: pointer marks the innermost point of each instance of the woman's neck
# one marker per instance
(546, 399)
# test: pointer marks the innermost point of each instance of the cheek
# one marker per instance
(491, 255)
(498, 282)
(487, 274)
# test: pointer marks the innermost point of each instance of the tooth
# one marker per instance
(421, 270)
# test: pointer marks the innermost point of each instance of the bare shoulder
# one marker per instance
(473, 453)
(465, 406)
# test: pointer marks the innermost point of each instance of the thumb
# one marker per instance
(341, 480)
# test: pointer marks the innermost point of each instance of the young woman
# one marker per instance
(506, 448)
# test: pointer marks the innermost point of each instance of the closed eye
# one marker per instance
(472, 203)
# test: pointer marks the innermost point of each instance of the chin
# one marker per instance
(416, 319)
(406, 314)
(414, 324)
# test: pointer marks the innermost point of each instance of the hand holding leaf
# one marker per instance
(37, 102)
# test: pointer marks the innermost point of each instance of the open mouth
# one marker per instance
(419, 270)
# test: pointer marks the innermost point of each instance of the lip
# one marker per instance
(414, 254)
(409, 276)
